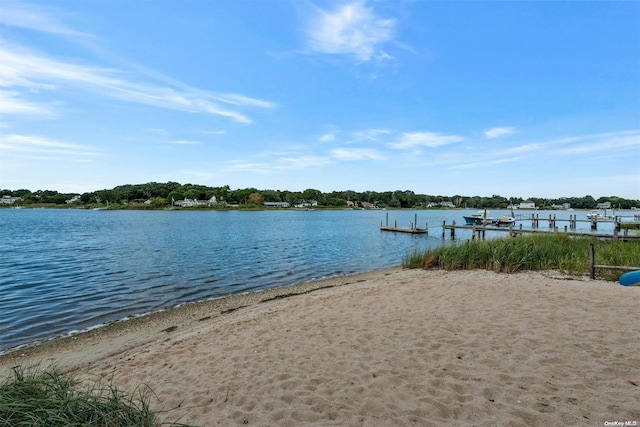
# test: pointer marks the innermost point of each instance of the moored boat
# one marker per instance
(505, 220)
(479, 218)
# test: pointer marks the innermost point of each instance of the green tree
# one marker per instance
(255, 199)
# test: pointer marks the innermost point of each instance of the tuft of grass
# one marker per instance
(34, 397)
(534, 252)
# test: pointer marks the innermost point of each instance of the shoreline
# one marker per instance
(129, 332)
(387, 347)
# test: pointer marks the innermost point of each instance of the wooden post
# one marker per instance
(444, 228)
(453, 230)
(415, 221)
(592, 262)
(387, 219)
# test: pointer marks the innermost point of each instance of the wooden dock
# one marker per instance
(412, 229)
(479, 231)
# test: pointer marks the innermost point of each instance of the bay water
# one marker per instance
(65, 270)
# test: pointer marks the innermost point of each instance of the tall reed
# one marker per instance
(555, 251)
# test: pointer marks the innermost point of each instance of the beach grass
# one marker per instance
(560, 252)
(47, 397)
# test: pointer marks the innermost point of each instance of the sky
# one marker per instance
(511, 98)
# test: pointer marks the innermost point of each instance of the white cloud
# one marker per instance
(603, 142)
(486, 163)
(42, 148)
(24, 15)
(356, 154)
(329, 136)
(279, 165)
(20, 68)
(370, 134)
(498, 132)
(351, 29)
(424, 139)
(11, 102)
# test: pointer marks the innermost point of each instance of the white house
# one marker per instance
(73, 199)
(527, 204)
(9, 200)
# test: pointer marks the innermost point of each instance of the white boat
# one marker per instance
(479, 218)
(505, 220)
(598, 216)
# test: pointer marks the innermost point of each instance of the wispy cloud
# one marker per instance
(356, 154)
(22, 68)
(42, 148)
(609, 142)
(329, 136)
(12, 102)
(498, 132)
(24, 15)
(279, 165)
(485, 163)
(371, 134)
(424, 139)
(350, 29)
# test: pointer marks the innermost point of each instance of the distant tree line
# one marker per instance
(154, 195)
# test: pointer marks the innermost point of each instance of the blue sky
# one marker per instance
(521, 99)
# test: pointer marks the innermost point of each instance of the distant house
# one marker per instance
(307, 204)
(527, 204)
(564, 206)
(276, 204)
(604, 205)
(447, 204)
(186, 203)
(368, 205)
(9, 200)
(73, 199)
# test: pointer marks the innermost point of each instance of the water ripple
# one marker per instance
(66, 270)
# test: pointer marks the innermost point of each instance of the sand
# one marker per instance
(391, 347)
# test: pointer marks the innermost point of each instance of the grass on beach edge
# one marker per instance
(37, 397)
(560, 252)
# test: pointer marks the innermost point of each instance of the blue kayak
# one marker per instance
(631, 278)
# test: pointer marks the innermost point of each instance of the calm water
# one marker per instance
(66, 270)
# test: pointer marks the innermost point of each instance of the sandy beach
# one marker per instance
(391, 347)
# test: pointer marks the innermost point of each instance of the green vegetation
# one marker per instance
(48, 398)
(154, 195)
(630, 225)
(535, 252)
